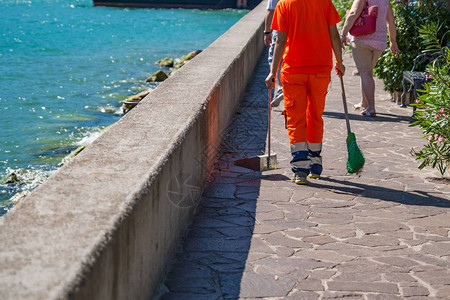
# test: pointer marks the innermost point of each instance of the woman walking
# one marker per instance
(367, 49)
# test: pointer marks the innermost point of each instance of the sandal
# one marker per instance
(358, 106)
(368, 113)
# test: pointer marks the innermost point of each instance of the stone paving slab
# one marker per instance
(380, 234)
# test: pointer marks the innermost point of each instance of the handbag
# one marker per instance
(366, 22)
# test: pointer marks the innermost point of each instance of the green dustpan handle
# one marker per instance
(347, 121)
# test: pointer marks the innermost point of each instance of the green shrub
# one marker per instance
(408, 20)
(342, 6)
(433, 113)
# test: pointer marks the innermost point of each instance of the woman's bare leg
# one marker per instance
(368, 91)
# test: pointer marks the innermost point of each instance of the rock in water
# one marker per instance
(137, 97)
(179, 62)
(72, 154)
(12, 178)
(133, 100)
(158, 76)
(191, 55)
(166, 62)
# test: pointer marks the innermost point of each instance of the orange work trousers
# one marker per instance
(304, 102)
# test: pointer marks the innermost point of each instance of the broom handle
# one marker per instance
(270, 112)
(344, 99)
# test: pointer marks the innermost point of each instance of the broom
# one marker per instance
(355, 159)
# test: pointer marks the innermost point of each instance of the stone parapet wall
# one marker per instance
(106, 224)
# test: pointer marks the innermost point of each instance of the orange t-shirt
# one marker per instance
(306, 22)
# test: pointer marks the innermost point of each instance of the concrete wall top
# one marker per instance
(51, 239)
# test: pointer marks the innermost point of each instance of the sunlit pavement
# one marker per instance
(381, 234)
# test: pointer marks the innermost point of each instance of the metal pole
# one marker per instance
(268, 142)
(344, 99)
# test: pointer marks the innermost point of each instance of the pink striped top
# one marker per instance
(377, 39)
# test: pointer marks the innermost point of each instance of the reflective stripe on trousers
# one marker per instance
(306, 158)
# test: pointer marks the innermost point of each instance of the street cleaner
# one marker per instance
(307, 36)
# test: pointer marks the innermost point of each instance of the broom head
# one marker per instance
(355, 157)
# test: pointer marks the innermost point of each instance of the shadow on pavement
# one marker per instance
(276, 177)
(381, 117)
(210, 261)
(419, 198)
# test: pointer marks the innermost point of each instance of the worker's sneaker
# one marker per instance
(277, 100)
(299, 179)
(314, 176)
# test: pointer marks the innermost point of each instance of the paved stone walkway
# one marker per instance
(382, 234)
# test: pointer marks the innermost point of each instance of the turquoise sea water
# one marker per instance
(64, 67)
